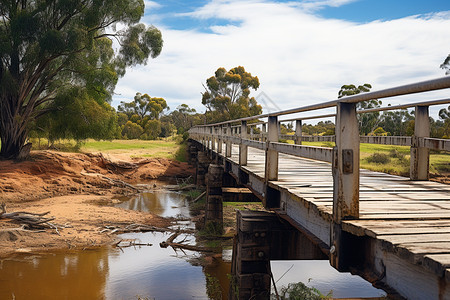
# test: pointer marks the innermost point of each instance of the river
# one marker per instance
(151, 272)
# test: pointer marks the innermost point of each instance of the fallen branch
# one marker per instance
(124, 243)
(170, 242)
(31, 220)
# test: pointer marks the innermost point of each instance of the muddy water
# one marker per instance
(151, 272)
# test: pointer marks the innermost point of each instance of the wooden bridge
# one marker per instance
(391, 230)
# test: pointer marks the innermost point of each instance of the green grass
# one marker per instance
(399, 163)
(166, 148)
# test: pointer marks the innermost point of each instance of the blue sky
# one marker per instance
(301, 51)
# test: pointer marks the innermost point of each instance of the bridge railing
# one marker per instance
(344, 156)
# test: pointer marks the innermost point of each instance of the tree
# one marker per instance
(143, 105)
(81, 118)
(396, 122)
(53, 47)
(183, 117)
(444, 114)
(226, 95)
(446, 65)
(367, 121)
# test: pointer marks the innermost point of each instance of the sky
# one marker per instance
(302, 51)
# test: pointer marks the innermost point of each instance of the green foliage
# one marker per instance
(142, 106)
(213, 289)
(132, 130)
(226, 95)
(446, 65)
(367, 121)
(379, 158)
(50, 49)
(379, 132)
(212, 229)
(444, 114)
(321, 128)
(300, 291)
(396, 122)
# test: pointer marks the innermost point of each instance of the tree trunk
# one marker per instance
(12, 131)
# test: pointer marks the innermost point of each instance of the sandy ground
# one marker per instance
(78, 190)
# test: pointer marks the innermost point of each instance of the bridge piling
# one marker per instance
(214, 200)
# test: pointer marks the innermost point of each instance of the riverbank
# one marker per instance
(78, 191)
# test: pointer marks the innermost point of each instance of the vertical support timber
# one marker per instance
(263, 132)
(345, 178)
(298, 132)
(229, 145)
(214, 200)
(220, 139)
(243, 150)
(420, 156)
(271, 169)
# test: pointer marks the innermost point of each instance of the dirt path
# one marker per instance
(78, 190)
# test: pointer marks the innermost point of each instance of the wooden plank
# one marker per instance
(415, 238)
(236, 190)
(437, 263)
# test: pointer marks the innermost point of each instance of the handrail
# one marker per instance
(413, 88)
(344, 157)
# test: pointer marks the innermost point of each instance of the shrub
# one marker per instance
(379, 158)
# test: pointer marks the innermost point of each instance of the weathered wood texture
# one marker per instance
(410, 220)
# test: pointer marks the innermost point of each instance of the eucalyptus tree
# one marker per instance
(446, 65)
(50, 48)
(368, 121)
(227, 95)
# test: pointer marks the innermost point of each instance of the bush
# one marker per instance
(379, 158)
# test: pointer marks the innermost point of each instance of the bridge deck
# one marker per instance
(409, 218)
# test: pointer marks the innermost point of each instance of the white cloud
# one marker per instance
(299, 58)
(151, 4)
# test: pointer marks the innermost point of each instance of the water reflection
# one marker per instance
(151, 272)
(320, 275)
(162, 203)
(79, 275)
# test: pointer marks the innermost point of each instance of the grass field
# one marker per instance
(166, 148)
(397, 161)
(398, 158)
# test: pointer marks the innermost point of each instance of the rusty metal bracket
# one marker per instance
(347, 161)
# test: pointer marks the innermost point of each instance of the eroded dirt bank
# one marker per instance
(77, 190)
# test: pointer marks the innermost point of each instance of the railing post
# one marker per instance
(228, 145)
(298, 132)
(271, 172)
(243, 148)
(263, 132)
(420, 156)
(213, 138)
(220, 139)
(251, 132)
(345, 180)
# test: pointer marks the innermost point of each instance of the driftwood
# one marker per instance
(119, 228)
(124, 243)
(31, 220)
(199, 197)
(170, 242)
(180, 187)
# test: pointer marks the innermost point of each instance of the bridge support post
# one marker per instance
(420, 156)
(214, 201)
(345, 179)
(298, 132)
(261, 237)
(243, 150)
(203, 162)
